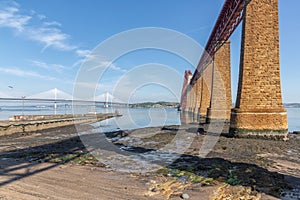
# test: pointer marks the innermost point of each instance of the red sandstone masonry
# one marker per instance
(198, 94)
(189, 94)
(259, 100)
(189, 99)
(184, 91)
(194, 97)
(221, 101)
(206, 89)
(195, 87)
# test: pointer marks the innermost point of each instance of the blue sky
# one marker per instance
(43, 44)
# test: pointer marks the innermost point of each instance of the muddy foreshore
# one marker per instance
(257, 169)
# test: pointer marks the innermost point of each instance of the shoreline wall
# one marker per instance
(9, 127)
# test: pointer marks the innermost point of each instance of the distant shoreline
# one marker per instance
(291, 105)
(159, 104)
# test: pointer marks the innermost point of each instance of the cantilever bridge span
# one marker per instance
(207, 92)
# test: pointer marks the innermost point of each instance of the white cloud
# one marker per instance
(78, 63)
(83, 52)
(53, 23)
(96, 60)
(24, 73)
(56, 67)
(41, 16)
(108, 65)
(85, 55)
(40, 64)
(50, 37)
(12, 17)
(116, 68)
(9, 17)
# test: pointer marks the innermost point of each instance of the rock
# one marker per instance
(170, 128)
(200, 131)
(185, 196)
(124, 133)
(296, 132)
(183, 179)
(153, 190)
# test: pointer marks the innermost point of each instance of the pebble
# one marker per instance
(185, 196)
(183, 179)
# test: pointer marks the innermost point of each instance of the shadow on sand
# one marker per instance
(18, 164)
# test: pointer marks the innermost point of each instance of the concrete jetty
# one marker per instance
(32, 123)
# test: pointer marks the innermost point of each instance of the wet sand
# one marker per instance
(55, 164)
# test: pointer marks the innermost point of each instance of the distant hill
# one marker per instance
(163, 104)
(291, 105)
(159, 104)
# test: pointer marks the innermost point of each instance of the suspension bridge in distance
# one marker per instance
(58, 96)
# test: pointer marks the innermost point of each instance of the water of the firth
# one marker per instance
(132, 117)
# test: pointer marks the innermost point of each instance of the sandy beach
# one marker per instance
(55, 164)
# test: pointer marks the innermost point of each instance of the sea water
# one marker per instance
(131, 118)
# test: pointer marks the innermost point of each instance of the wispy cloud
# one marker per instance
(10, 17)
(83, 52)
(41, 16)
(50, 37)
(47, 33)
(56, 67)
(117, 68)
(98, 61)
(24, 73)
(108, 65)
(52, 23)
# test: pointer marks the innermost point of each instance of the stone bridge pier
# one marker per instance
(221, 99)
(185, 97)
(206, 83)
(259, 109)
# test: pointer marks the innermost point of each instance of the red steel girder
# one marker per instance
(229, 18)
